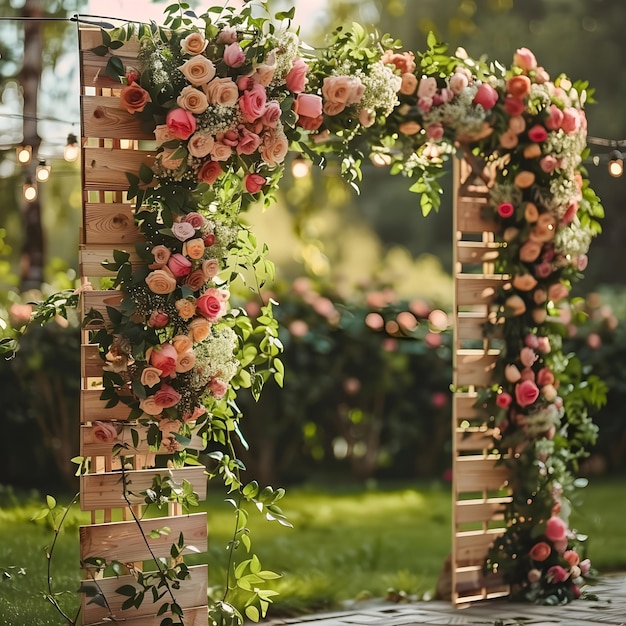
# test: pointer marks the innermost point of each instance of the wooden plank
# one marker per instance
(192, 593)
(475, 252)
(472, 546)
(102, 117)
(90, 37)
(91, 258)
(98, 300)
(473, 438)
(468, 511)
(91, 362)
(196, 616)
(470, 326)
(474, 367)
(464, 406)
(470, 219)
(103, 491)
(92, 408)
(479, 474)
(110, 223)
(478, 288)
(472, 580)
(123, 541)
(105, 168)
(91, 445)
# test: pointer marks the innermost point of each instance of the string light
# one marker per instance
(24, 154)
(29, 190)
(42, 173)
(616, 164)
(70, 153)
(300, 167)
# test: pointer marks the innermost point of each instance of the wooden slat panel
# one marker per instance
(122, 541)
(103, 117)
(474, 439)
(91, 363)
(90, 445)
(477, 288)
(471, 546)
(474, 367)
(90, 38)
(464, 406)
(92, 257)
(470, 326)
(468, 511)
(470, 219)
(101, 491)
(92, 408)
(479, 475)
(196, 616)
(474, 252)
(192, 593)
(98, 300)
(472, 580)
(110, 223)
(105, 168)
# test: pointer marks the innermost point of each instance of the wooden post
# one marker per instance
(110, 140)
(480, 488)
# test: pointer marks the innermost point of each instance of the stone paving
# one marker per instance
(609, 609)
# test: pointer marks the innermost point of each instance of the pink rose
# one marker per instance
(527, 356)
(549, 163)
(161, 254)
(210, 305)
(506, 209)
(254, 183)
(571, 120)
(183, 230)
(210, 268)
(514, 106)
(227, 35)
(252, 103)
(196, 280)
(538, 133)
(409, 84)
(555, 117)
(248, 142)
(543, 345)
(512, 373)
(149, 406)
(556, 574)
(543, 270)
(527, 373)
(166, 397)
(195, 219)
(180, 123)
(200, 144)
(486, 97)
(218, 387)
(308, 105)
(342, 90)
(296, 77)
(524, 59)
(581, 262)
(104, 432)
(531, 341)
(234, 56)
(402, 61)
(220, 151)
(179, 265)
(158, 319)
(571, 556)
(162, 134)
(556, 529)
(458, 82)
(271, 115)
(540, 551)
(427, 88)
(585, 566)
(545, 377)
(557, 292)
(164, 358)
(274, 148)
(209, 172)
(526, 392)
(503, 400)
(435, 131)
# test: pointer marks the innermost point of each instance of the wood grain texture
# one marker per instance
(478, 288)
(101, 491)
(105, 168)
(470, 217)
(92, 408)
(472, 546)
(476, 252)
(103, 117)
(109, 223)
(92, 256)
(474, 438)
(91, 362)
(98, 301)
(479, 474)
(192, 593)
(123, 541)
(474, 367)
(468, 511)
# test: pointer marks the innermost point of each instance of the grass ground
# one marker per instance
(346, 543)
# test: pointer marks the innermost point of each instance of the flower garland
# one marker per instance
(227, 95)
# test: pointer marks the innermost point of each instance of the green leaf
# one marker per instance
(114, 68)
(51, 502)
(126, 590)
(286, 15)
(252, 613)
(145, 174)
(100, 50)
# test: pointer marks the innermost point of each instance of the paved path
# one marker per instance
(609, 609)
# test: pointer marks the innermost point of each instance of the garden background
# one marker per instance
(367, 400)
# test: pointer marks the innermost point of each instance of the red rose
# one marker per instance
(514, 106)
(181, 123)
(158, 319)
(164, 358)
(209, 172)
(538, 133)
(556, 574)
(556, 529)
(210, 305)
(540, 551)
(254, 182)
(503, 400)
(506, 209)
(486, 96)
(526, 392)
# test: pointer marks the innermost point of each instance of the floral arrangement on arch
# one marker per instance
(227, 95)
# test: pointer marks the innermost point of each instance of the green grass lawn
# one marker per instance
(346, 543)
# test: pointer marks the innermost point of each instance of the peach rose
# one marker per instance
(524, 59)
(409, 84)
(149, 406)
(194, 43)
(210, 268)
(150, 376)
(198, 70)
(167, 161)
(186, 361)
(549, 392)
(532, 151)
(222, 91)
(515, 304)
(274, 148)
(161, 281)
(540, 296)
(530, 251)
(192, 100)
(367, 117)
(409, 128)
(186, 308)
(517, 124)
(402, 61)
(200, 144)
(458, 82)
(181, 344)
(161, 254)
(220, 152)
(509, 139)
(557, 292)
(524, 282)
(196, 280)
(531, 213)
(342, 90)
(227, 35)
(194, 248)
(199, 329)
(134, 98)
(163, 357)
(209, 172)
(162, 134)
(518, 86)
(545, 228)
(512, 373)
(104, 432)
(524, 179)
(263, 74)
(539, 315)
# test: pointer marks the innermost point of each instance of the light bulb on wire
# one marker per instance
(616, 164)
(24, 154)
(300, 167)
(70, 153)
(29, 190)
(42, 173)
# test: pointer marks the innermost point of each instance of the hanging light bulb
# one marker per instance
(616, 165)
(300, 167)
(71, 149)
(29, 190)
(42, 173)
(24, 154)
